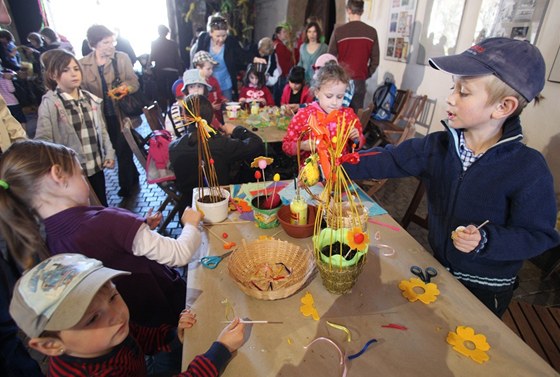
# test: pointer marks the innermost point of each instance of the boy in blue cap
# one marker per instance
(478, 169)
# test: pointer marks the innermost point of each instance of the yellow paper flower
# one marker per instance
(469, 344)
(428, 294)
(255, 163)
(308, 308)
(357, 239)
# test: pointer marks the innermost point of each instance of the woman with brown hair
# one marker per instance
(98, 78)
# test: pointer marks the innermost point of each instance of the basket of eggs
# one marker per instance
(270, 269)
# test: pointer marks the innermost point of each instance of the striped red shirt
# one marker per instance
(127, 359)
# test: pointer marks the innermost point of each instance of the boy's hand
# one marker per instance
(187, 319)
(216, 105)
(466, 239)
(232, 337)
(153, 220)
(109, 164)
(190, 216)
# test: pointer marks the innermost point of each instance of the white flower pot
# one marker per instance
(212, 212)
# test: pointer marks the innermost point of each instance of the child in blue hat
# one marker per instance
(478, 169)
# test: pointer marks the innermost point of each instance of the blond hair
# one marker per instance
(497, 90)
(330, 72)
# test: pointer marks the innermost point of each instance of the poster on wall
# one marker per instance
(442, 22)
(401, 21)
(519, 19)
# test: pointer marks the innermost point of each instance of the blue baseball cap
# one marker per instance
(517, 63)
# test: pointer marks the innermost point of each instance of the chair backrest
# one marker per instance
(153, 116)
(424, 121)
(364, 114)
(411, 111)
(400, 100)
(137, 149)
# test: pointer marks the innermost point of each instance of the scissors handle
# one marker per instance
(431, 272)
(212, 262)
(416, 270)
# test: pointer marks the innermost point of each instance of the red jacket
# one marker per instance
(284, 57)
(306, 95)
(300, 124)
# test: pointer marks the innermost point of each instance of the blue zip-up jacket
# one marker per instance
(510, 185)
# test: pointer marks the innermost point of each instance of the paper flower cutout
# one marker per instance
(357, 239)
(428, 294)
(308, 308)
(267, 160)
(469, 344)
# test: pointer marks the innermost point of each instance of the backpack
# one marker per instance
(158, 166)
(384, 100)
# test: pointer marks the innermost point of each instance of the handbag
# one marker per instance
(132, 104)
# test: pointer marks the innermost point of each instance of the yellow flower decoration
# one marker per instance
(308, 308)
(357, 239)
(428, 294)
(469, 344)
(255, 163)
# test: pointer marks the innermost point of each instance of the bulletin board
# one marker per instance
(401, 24)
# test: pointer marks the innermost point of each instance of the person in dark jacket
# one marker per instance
(478, 169)
(226, 50)
(229, 150)
(168, 66)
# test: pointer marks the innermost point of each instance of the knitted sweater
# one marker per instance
(357, 47)
(510, 185)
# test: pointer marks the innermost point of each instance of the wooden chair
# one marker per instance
(539, 327)
(404, 124)
(407, 118)
(365, 114)
(139, 147)
(410, 214)
(424, 121)
(153, 116)
(400, 100)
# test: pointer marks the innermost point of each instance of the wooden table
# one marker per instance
(269, 134)
(376, 300)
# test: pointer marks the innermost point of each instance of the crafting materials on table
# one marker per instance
(213, 261)
(257, 322)
(424, 275)
(380, 223)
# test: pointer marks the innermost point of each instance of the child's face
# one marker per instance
(196, 89)
(253, 79)
(295, 87)
(206, 70)
(103, 326)
(330, 95)
(467, 105)
(70, 78)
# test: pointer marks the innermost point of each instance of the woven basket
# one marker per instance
(340, 280)
(333, 220)
(244, 264)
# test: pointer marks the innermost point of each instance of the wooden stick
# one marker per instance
(256, 322)
(214, 234)
(481, 225)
